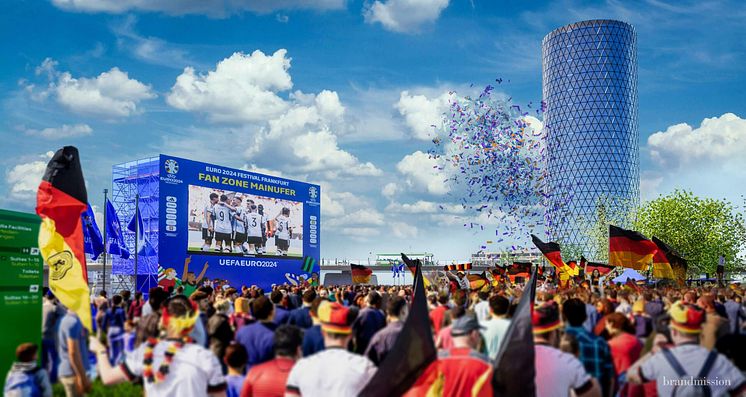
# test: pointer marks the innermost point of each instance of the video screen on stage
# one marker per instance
(225, 222)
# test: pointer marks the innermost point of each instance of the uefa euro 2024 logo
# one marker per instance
(313, 193)
(172, 167)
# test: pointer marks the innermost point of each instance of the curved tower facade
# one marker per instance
(590, 90)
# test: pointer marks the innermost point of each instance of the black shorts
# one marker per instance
(207, 234)
(255, 240)
(282, 244)
(224, 237)
(239, 238)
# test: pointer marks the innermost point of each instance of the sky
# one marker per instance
(342, 93)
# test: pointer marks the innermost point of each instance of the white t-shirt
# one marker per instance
(463, 283)
(253, 224)
(332, 372)
(223, 222)
(239, 219)
(282, 224)
(482, 310)
(208, 215)
(723, 376)
(193, 372)
(557, 372)
(493, 333)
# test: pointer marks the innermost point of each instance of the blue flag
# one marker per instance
(115, 241)
(92, 240)
(143, 245)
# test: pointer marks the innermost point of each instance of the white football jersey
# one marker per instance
(253, 224)
(223, 222)
(282, 225)
(209, 215)
(238, 221)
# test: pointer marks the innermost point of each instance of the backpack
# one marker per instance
(22, 384)
(691, 390)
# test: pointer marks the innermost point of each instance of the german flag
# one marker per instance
(519, 269)
(667, 263)
(590, 267)
(629, 248)
(458, 267)
(360, 274)
(478, 281)
(60, 201)
(412, 266)
(552, 252)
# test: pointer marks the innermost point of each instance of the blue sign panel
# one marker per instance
(235, 226)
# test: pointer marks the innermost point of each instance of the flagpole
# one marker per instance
(105, 240)
(137, 233)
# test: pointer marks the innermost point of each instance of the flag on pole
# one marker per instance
(360, 274)
(92, 240)
(515, 370)
(629, 248)
(413, 350)
(677, 264)
(551, 251)
(60, 201)
(413, 269)
(602, 268)
(115, 243)
(143, 245)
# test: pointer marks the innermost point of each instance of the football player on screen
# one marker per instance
(239, 226)
(223, 225)
(254, 229)
(283, 231)
(265, 228)
(208, 229)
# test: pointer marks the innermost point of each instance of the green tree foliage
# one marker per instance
(701, 229)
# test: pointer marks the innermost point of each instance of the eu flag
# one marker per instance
(115, 241)
(92, 240)
(143, 245)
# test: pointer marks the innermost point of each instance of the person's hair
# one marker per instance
(287, 340)
(223, 305)
(457, 312)
(619, 321)
(236, 356)
(483, 295)
(262, 308)
(574, 312)
(156, 297)
(102, 293)
(499, 305)
(198, 296)
(116, 300)
(206, 289)
(276, 297)
(309, 295)
(25, 352)
(213, 196)
(138, 295)
(443, 298)
(126, 294)
(223, 198)
(315, 305)
(395, 306)
(178, 306)
(608, 308)
(374, 299)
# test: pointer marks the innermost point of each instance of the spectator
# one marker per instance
(25, 378)
(301, 317)
(269, 379)
(51, 314)
(497, 325)
(560, 372)
(714, 326)
(73, 353)
(219, 331)
(199, 331)
(687, 359)
(383, 341)
(313, 340)
(135, 308)
(279, 300)
(482, 308)
(172, 366)
(311, 375)
(625, 350)
(438, 314)
(147, 327)
(735, 311)
(258, 337)
(370, 320)
(642, 321)
(114, 327)
(604, 307)
(235, 360)
(594, 350)
(240, 316)
(443, 339)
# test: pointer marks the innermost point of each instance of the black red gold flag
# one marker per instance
(60, 201)
(551, 251)
(677, 262)
(360, 274)
(629, 248)
(602, 268)
(458, 267)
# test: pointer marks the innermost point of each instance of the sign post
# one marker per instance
(21, 281)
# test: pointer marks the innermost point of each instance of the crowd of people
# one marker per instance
(600, 340)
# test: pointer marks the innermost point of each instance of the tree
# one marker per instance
(700, 229)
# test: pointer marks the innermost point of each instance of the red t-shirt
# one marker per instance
(456, 372)
(436, 317)
(268, 379)
(625, 350)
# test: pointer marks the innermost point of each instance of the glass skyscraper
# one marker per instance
(590, 92)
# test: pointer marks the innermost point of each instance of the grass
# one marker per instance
(100, 390)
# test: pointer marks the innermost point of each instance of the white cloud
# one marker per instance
(242, 88)
(63, 131)
(362, 217)
(649, 185)
(110, 94)
(24, 178)
(360, 233)
(403, 230)
(148, 49)
(212, 8)
(423, 116)
(404, 16)
(719, 138)
(390, 190)
(420, 173)
(424, 207)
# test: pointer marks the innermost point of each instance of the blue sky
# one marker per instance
(337, 92)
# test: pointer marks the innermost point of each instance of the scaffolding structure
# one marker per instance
(133, 180)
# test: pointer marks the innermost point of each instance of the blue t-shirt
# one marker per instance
(301, 317)
(281, 315)
(72, 328)
(313, 341)
(259, 340)
(235, 382)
